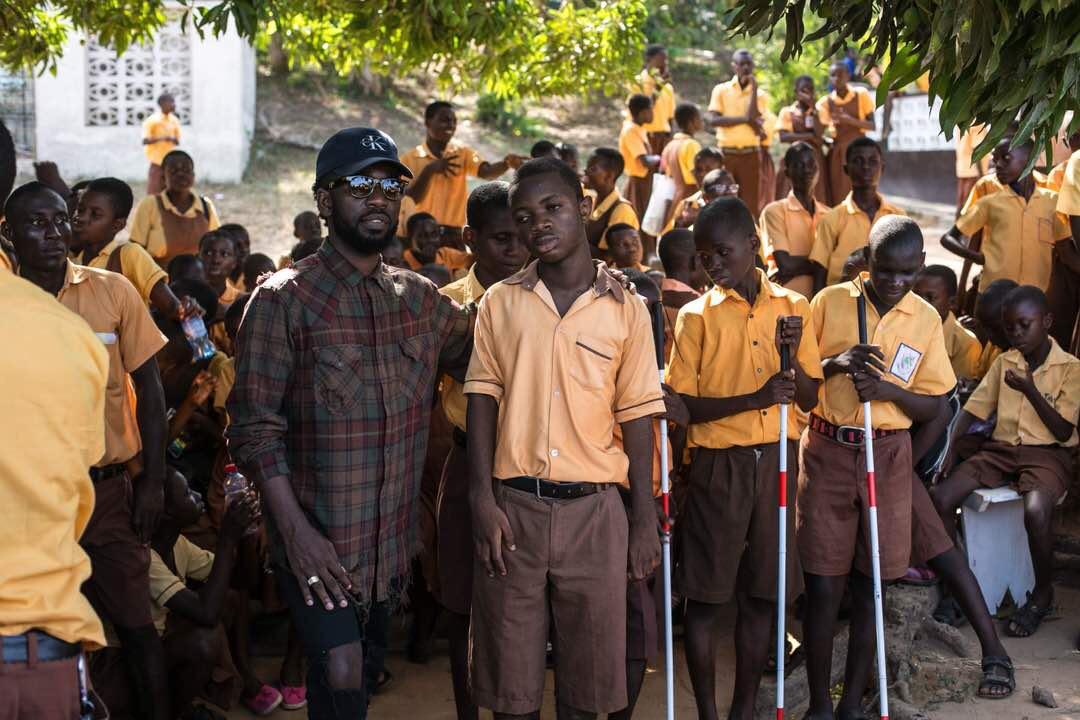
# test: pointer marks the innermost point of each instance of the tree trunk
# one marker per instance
(279, 59)
(369, 83)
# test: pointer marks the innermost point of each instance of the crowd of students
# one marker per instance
(506, 425)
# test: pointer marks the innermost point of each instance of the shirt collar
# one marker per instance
(423, 151)
(196, 205)
(794, 205)
(734, 83)
(718, 295)
(907, 304)
(613, 197)
(1056, 356)
(74, 275)
(885, 208)
(605, 282)
(341, 268)
(105, 251)
(473, 289)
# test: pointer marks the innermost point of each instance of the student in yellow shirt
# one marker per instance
(1064, 290)
(491, 233)
(624, 248)
(846, 227)
(848, 112)
(101, 213)
(968, 172)
(677, 160)
(904, 372)
(1034, 388)
(936, 284)
(1019, 223)
(161, 134)
(799, 122)
(171, 222)
(609, 208)
(654, 80)
(424, 249)
(988, 325)
(739, 111)
(726, 367)
(788, 225)
(639, 162)
(440, 166)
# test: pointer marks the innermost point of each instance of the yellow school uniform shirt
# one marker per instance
(787, 226)
(1057, 379)
(696, 198)
(731, 99)
(52, 429)
(192, 563)
(989, 354)
(223, 370)
(633, 143)
(865, 105)
(688, 150)
(963, 348)
(113, 309)
(965, 148)
(724, 347)
(465, 291)
(1069, 198)
(909, 336)
(843, 230)
(562, 382)
(450, 258)
(663, 95)
(446, 194)
(988, 185)
(146, 227)
(623, 213)
(136, 264)
(1018, 236)
(160, 125)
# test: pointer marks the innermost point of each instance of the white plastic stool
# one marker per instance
(997, 545)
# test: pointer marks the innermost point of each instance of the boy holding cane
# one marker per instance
(904, 373)
(729, 525)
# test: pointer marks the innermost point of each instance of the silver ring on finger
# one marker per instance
(314, 580)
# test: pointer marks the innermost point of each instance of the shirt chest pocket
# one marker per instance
(592, 363)
(409, 366)
(343, 375)
(1045, 230)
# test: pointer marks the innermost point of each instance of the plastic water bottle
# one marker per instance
(202, 348)
(236, 485)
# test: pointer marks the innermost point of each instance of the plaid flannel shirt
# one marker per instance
(334, 379)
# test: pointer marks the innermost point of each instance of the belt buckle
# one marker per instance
(843, 428)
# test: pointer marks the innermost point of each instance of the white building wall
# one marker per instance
(217, 132)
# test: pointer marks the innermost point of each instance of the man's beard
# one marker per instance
(363, 241)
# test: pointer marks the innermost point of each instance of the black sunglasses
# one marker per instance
(361, 186)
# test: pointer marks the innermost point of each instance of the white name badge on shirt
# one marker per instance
(107, 338)
(905, 361)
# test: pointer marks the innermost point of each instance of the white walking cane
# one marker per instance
(781, 569)
(875, 551)
(665, 536)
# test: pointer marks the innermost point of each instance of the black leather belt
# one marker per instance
(555, 490)
(49, 649)
(97, 474)
(845, 434)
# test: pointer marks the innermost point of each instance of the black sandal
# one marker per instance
(1026, 621)
(997, 673)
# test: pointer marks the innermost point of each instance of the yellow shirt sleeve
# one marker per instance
(716, 101)
(983, 402)
(140, 224)
(808, 354)
(624, 213)
(784, 122)
(966, 362)
(211, 215)
(471, 162)
(141, 269)
(1061, 227)
(774, 229)
(824, 242)
(164, 584)
(140, 338)
(866, 103)
(686, 155)
(197, 562)
(685, 366)
(484, 376)
(935, 375)
(637, 380)
(1067, 402)
(1069, 197)
(974, 218)
(823, 114)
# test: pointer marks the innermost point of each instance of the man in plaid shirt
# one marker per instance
(336, 362)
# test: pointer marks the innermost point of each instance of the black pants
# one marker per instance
(321, 631)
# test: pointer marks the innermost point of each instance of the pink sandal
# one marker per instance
(294, 697)
(264, 702)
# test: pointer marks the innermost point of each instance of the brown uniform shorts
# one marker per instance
(928, 536)
(119, 583)
(454, 526)
(570, 566)
(39, 690)
(731, 517)
(833, 519)
(1025, 467)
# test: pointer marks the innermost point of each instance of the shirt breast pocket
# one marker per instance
(343, 374)
(413, 361)
(1045, 230)
(592, 363)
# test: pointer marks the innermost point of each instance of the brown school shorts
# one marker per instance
(928, 536)
(454, 527)
(40, 691)
(730, 517)
(833, 519)
(569, 566)
(119, 584)
(1048, 468)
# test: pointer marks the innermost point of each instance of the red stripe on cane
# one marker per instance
(783, 488)
(872, 496)
(665, 501)
(779, 713)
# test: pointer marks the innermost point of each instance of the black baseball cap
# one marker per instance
(352, 150)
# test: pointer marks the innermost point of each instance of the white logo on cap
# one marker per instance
(374, 142)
